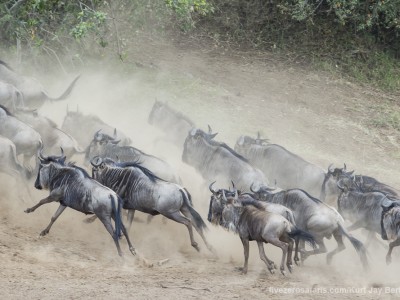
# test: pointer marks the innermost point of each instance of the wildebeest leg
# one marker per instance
(46, 200)
(289, 241)
(131, 248)
(269, 263)
(246, 248)
(27, 163)
(131, 214)
(321, 248)
(276, 242)
(296, 254)
(188, 215)
(339, 239)
(177, 217)
(58, 212)
(107, 224)
(391, 246)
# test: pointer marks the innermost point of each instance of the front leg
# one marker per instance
(246, 247)
(48, 199)
(59, 211)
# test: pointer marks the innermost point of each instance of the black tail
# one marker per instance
(117, 215)
(297, 233)
(361, 250)
(67, 91)
(189, 197)
(195, 215)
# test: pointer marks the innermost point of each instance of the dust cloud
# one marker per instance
(291, 107)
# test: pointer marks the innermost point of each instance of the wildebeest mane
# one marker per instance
(137, 165)
(252, 202)
(178, 114)
(72, 164)
(223, 145)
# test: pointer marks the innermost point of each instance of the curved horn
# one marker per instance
(97, 135)
(115, 133)
(211, 189)
(40, 155)
(339, 185)
(344, 167)
(96, 161)
(330, 168)
(62, 152)
(251, 189)
(209, 129)
(211, 136)
(233, 185)
(193, 132)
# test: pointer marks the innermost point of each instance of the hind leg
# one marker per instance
(321, 248)
(391, 246)
(339, 239)
(246, 249)
(177, 217)
(289, 241)
(185, 211)
(106, 220)
(269, 263)
(278, 243)
(129, 217)
(131, 248)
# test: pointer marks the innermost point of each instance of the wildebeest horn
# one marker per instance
(210, 187)
(211, 136)
(62, 152)
(96, 161)
(115, 133)
(251, 189)
(339, 185)
(233, 185)
(223, 196)
(344, 167)
(115, 142)
(209, 129)
(330, 168)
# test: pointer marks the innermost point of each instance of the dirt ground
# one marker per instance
(321, 118)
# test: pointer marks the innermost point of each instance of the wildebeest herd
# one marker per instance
(266, 193)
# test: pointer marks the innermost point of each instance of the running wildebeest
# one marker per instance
(72, 187)
(173, 123)
(217, 161)
(52, 136)
(33, 92)
(9, 163)
(315, 217)
(390, 223)
(279, 164)
(251, 221)
(141, 190)
(106, 146)
(10, 96)
(74, 121)
(26, 140)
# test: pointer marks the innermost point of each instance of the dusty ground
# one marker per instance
(320, 118)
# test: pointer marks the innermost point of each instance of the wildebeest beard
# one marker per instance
(391, 224)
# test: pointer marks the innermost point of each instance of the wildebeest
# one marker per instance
(106, 146)
(217, 161)
(173, 123)
(26, 140)
(279, 164)
(315, 217)
(72, 187)
(33, 92)
(141, 190)
(251, 221)
(52, 136)
(9, 163)
(82, 127)
(10, 96)
(390, 223)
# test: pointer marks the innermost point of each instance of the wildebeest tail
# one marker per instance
(297, 233)
(195, 215)
(117, 214)
(360, 248)
(66, 93)
(189, 197)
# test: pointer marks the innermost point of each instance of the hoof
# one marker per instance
(297, 262)
(272, 271)
(196, 246)
(283, 272)
(28, 210)
(290, 268)
(132, 251)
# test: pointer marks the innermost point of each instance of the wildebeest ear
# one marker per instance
(331, 169)
(115, 142)
(240, 141)
(350, 173)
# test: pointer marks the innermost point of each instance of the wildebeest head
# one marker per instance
(217, 203)
(100, 140)
(52, 158)
(43, 178)
(230, 214)
(192, 147)
(245, 141)
(347, 183)
(99, 165)
(262, 193)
